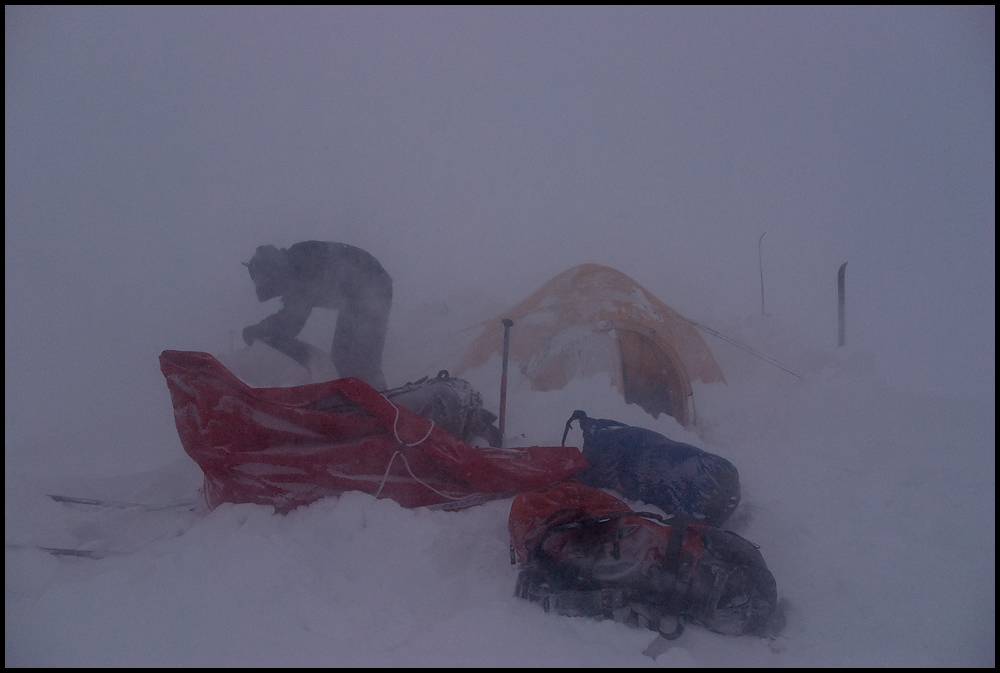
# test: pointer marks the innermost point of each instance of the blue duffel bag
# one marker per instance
(640, 464)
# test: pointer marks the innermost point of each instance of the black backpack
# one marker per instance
(640, 464)
(585, 553)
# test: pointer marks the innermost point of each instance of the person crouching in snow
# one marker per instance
(325, 275)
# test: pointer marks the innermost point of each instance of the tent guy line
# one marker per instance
(770, 361)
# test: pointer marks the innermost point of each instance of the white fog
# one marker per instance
(728, 160)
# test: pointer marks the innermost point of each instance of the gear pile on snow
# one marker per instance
(586, 553)
(288, 447)
(644, 465)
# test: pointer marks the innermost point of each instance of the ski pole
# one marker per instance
(840, 304)
(507, 324)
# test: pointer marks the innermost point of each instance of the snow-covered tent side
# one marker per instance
(592, 319)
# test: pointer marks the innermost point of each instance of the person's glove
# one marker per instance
(251, 334)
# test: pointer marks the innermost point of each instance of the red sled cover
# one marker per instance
(288, 447)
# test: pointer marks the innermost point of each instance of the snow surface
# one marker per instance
(874, 510)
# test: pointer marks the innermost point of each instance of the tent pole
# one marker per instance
(507, 324)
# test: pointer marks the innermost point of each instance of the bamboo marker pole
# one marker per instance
(760, 260)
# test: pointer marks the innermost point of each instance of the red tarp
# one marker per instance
(288, 447)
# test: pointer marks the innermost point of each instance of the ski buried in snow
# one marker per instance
(125, 528)
(119, 504)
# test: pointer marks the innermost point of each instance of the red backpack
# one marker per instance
(586, 553)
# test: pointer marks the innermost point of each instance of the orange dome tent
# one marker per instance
(592, 319)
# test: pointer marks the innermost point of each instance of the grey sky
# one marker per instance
(150, 150)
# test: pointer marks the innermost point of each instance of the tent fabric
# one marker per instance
(288, 447)
(592, 319)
